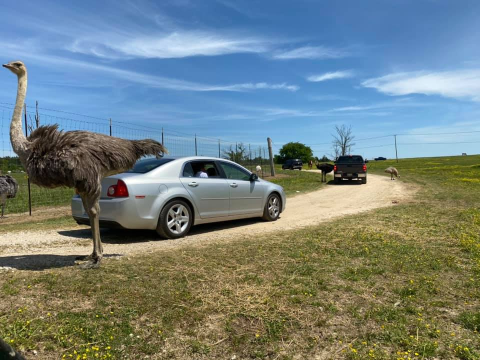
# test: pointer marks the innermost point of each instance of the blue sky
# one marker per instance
(245, 70)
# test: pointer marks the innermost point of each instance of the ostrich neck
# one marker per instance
(18, 139)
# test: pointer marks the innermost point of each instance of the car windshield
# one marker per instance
(144, 166)
(354, 159)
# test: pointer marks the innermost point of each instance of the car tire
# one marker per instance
(336, 181)
(272, 208)
(175, 220)
(364, 180)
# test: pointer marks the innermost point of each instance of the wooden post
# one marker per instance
(218, 147)
(270, 154)
(110, 126)
(28, 178)
(37, 116)
(162, 136)
(195, 144)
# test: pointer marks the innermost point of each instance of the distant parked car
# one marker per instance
(380, 158)
(170, 195)
(292, 164)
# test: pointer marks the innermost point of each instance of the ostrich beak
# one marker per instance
(8, 66)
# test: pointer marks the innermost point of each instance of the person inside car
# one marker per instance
(202, 173)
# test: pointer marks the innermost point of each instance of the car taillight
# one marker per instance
(119, 190)
(335, 168)
(364, 167)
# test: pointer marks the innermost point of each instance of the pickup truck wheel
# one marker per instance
(336, 181)
(272, 208)
(175, 220)
(364, 180)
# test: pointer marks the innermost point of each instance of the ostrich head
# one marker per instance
(17, 67)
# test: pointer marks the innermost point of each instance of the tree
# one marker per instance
(342, 140)
(237, 153)
(295, 150)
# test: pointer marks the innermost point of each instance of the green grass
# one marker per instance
(396, 283)
(41, 197)
(297, 182)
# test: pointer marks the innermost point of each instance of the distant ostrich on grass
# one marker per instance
(8, 190)
(75, 159)
(326, 168)
(392, 171)
(7, 353)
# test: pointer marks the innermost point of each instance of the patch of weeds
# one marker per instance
(470, 320)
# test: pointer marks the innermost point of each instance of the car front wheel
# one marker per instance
(272, 208)
(175, 220)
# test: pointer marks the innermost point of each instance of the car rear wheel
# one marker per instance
(175, 220)
(364, 180)
(336, 180)
(272, 208)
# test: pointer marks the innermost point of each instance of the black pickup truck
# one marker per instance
(350, 167)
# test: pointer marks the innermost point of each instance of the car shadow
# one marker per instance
(40, 262)
(126, 236)
(345, 182)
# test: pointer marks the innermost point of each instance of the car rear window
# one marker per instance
(354, 159)
(144, 166)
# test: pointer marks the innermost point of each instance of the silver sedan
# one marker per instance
(170, 195)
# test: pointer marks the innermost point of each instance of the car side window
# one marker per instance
(188, 170)
(234, 172)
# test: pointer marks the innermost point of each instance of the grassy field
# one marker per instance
(40, 197)
(398, 283)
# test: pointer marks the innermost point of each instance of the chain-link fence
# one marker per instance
(178, 144)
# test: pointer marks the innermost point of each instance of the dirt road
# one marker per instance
(46, 249)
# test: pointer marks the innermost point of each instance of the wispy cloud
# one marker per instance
(330, 97)
(177, 44)
(311, 52)
(331, 75)
(145, 79)
(460, 84)
(400, 103)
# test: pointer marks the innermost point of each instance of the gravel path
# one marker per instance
(38, 250)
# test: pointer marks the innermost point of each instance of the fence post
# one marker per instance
(250, 156)
(396, 153)
(28, 178)
(270, 154)
(162, 136)
(110, 126)
(37, 116)
(195, 144)
(218, 147)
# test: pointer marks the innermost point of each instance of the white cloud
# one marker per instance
(331, 75)
(311, 52)
(460, 84)
(176, 44)
(153, 81)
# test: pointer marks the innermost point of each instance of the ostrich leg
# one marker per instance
(90, 203)
(3, 200)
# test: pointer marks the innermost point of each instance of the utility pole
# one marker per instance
(110, 126)
(396, 153)
(218, 147)
(270, 153)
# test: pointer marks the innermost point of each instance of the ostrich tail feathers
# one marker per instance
(149, 147)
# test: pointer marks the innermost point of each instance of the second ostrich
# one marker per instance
(75, 159)
(325, 168)
(8, 190)
(392, 171)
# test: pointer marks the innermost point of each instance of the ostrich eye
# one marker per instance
(17, 64)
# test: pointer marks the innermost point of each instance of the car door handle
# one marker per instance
(193, 184)
(233, 185)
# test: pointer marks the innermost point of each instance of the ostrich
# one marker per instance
(258, 170)
(326, 168)
(7, 353)
(8, 190)
(75, 159)
(392, 171)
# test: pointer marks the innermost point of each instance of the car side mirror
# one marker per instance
(253, 177)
